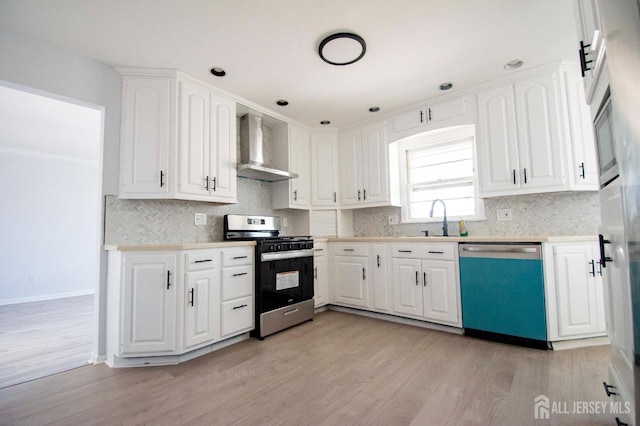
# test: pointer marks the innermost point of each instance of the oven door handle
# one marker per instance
(282, 255)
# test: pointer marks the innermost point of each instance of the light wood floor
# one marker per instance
(42, 338)
(338, 369)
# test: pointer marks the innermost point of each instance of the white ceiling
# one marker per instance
(269, 47)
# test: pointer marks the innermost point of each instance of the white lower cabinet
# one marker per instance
(379, 285)
(165, 304)
(425, 282)
(320, 274)
(350, 264)
(148, 304)
(574, 290)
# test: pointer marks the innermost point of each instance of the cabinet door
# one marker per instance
(497, 148)
(380, 298)
(149, 304)
(324, 182)
(202, 301)
(320, 281)
(407, 287)
(222, 174)
(146, 136)
(576, 292)
(440, 292)
(351, 167)
(540, 139)
(351, 281)
(584, 166)
(446, 110)
(299, 163)
(375, 164)
(194, 143)
(237, 316)
(409, 120)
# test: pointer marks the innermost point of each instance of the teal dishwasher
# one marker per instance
(502, 291)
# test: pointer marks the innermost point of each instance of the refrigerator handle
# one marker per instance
(603, 257)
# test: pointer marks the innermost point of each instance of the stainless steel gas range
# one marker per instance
(284, 272)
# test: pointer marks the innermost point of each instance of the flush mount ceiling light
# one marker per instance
(325, 122)
(342, 48)
(446, 86)
(513, 64)
(374, 109)
(218, 72)
(282, 102)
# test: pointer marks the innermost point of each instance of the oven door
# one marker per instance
(285, 278)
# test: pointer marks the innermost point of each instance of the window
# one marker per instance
(440, 165)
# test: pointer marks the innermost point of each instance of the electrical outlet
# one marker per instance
(504, 215)
(393, 219)
(200, 219)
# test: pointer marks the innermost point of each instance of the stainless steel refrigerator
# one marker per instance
(620, 203)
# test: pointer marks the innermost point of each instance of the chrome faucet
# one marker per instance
(445, 225)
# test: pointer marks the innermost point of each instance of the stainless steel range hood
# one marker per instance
(251, 155)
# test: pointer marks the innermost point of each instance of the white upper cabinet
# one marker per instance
(592, 44)
(324, 168)
(178, 139)
(148, 126)
(427, 118)
(535, 136)
(292, 153)
(366, 171)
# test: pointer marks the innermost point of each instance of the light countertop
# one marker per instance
(457, 239)
(177, 246)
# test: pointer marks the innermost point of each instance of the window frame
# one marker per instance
(437, 137)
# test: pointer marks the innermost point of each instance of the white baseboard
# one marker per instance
(45, 297)
(580, 343)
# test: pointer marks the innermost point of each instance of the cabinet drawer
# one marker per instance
(236, 316)
(237, 282)
(350, 249)
(319, 249)
(442, 251)
(237, 256)
(197, 260)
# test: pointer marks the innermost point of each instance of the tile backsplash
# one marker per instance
(172, 221)
(558, 214)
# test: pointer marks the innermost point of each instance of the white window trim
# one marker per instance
(448, 134)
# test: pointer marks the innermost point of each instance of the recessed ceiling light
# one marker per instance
(218, 72)
(325, 122)
(374, 109)
(282, 102)
(446, 86)
(513, 64)
(342, 48)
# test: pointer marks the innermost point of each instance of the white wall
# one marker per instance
(49, 185)
(48, 68)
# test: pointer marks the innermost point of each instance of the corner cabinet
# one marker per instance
(533, 137)
(166, 307)
(292, 153)
(178, 139)
(368, 168)
(320, 274)
(575, 293)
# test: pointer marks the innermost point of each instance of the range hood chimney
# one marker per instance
(251, 157)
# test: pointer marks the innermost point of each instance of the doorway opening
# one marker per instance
(51, 189)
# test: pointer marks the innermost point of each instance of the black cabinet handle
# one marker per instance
(358, 195)
(364, 274)
(335, 198)
(603, 258)
(240, 274)
(364, 192)
(417, 278)
(239, 306)
(239, 257)
(192, 294)
(435, 252)
(214, 184)
(295, 195)
(378, 260)
(581, 167)
(607, 387)
(421, 116)
(319, 249)
(203, 261)
(593, 267)
(599, 269)
(525, 175)
(315, 272)
(347, 249)
(429, 114)
(514, 176)
(584, 64)
(424, 278)
(168, 279)
(206, 183)
(404, 251)
(161, 178)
